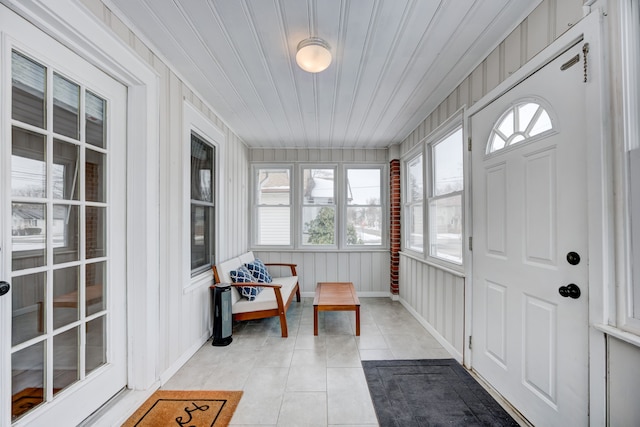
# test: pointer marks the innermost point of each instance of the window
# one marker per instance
(318, 206)
(445, 198)
(522, 122)
(414, 196)
(364, 208)
(202, 204)
(272, 206)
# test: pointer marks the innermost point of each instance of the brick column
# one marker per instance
(394, 220)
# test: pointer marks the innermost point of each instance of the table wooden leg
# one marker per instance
(357, 321)
(315, 320)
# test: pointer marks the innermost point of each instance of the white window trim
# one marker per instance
(254, 205)
(196, 122)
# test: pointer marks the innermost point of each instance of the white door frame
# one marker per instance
(73, 25)
(599, 193)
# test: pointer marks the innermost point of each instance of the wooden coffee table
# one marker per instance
(335, 296)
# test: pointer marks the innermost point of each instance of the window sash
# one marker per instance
(272, 205)
(202, 204)
(364, 216)
(319, 213)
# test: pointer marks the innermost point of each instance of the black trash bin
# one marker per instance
(222, 318)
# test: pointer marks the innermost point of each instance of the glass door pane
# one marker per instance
(59, 231)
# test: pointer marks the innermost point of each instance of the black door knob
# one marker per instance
(570, 291)
(4, 288)
(573, 258)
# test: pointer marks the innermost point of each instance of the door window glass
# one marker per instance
(59, 233)
(519, 123)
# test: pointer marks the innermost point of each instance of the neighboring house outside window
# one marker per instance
(318, 206)
(272, 213)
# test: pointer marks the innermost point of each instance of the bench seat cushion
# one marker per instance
(266, 300)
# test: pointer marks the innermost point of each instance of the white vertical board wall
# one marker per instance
(184, 314)
(368, 271)
(545, 24)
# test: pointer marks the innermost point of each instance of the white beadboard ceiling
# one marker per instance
(394, 61)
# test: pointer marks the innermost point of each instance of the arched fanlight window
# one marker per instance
(521, 122)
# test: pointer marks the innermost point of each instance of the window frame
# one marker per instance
(384, 217)
(449, 129)
(255, 189)
(408, 204)
(424, 148)
(337, 234)
(209, 205)
(296, 193)
(628, 293)
(195, 122)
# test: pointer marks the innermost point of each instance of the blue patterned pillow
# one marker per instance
(243, 275)
(259, 271)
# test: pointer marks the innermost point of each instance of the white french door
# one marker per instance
(530, 260)
(62, 231)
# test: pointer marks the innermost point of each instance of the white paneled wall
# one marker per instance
(436, 297)
(184, 320)
(369, 271)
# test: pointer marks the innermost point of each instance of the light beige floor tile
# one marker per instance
(310, 342)
(307, 378)
(371, 342)
(385, 354)
(348, 398)
(342, 352)
(258, 407)
(307, 409)
(313, 357)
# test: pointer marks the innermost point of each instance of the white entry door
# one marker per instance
(530, 257)
(62, 234)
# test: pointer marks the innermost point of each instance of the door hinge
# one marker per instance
(470, 343)
(469, 144)
(470, 243)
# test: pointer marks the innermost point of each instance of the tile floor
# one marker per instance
(307, 380)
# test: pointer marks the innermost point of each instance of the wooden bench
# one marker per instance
(273, 301)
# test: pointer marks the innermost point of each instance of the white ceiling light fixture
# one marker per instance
(313, 55)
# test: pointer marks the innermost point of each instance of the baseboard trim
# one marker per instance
(443, 342)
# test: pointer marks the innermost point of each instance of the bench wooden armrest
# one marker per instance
(256, 284)
(279, 264)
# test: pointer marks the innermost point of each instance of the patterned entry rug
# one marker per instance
(438, 392)
(193, 408)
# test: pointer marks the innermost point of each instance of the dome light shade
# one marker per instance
(313, 55)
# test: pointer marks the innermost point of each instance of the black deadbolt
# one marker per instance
(573, 258)
(4, 287)
(570, 291)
